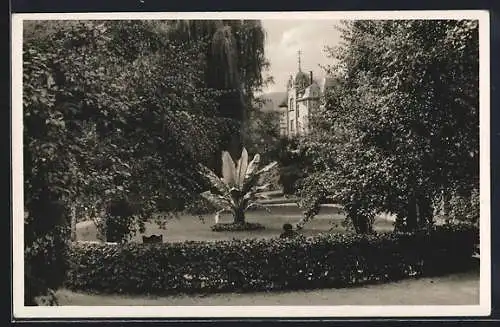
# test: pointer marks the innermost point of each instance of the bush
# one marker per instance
(46, 232)
(200, 206)
(465, 207)
(236, 227)
(289, 176)
(330, 260)
(120, 220)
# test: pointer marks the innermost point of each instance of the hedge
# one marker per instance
(334, 260)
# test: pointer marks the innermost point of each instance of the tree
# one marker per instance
(112, 110)
(234, 63)
(260, 133)
(402, 123)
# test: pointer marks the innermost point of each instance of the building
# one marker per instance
(303, 97)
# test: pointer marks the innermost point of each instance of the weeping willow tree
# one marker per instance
(234, 62)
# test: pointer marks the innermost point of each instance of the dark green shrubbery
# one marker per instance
(335, 260)
(289, 177)
(46, 232)
(120, 220)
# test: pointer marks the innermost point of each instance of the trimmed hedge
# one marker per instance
(335, 260)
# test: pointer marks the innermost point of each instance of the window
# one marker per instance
(290, 107)
(292, 126)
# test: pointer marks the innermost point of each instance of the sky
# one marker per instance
(286, 37)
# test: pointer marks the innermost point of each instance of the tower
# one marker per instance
(298, 55)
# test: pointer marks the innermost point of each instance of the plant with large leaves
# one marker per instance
(239, 189)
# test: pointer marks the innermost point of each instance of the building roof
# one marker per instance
(301, 80)
(311, 92)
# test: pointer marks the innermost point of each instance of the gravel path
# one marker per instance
(457, 289)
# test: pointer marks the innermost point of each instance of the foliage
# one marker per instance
(261, 133)
(289, 176)
(232, 227)
(112, 110)
(293, 162)
(464, 208)
(45, 253)
(238, 189)
(234, 62)
(123, 126)
(401, 123)
(335, 260)
(121, 221)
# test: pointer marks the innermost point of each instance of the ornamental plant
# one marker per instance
(238, 189)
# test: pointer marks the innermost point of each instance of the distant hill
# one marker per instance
(272, 100)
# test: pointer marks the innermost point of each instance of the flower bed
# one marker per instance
(336, 260)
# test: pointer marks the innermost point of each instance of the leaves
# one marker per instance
(268, 167)
(241, 168)
(113, 110)
(214, 180)
(127, 94)
(237, 195)
(400, 118)
(252, 166)
(228, 169)
(329, 260)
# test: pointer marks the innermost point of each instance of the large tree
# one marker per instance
(402, 123)
(113, 110)
(234, 63)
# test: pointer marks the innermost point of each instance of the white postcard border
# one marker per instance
(21, 311)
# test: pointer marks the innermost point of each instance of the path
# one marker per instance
(457, 289)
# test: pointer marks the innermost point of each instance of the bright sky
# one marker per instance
(286, 37)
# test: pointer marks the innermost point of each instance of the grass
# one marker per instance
(191, 228)
(457, 289)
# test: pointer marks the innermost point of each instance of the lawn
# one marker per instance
(456, 289)
(194, 229)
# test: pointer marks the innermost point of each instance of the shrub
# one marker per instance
(289, 177)
(120, 220)
(465, 207)
(200, 206)
(236, 227)
(46, 232)
(238, 189)
(329, 260)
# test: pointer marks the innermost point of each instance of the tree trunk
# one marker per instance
(366, 225)
(239, 216)
(424, 211)
(446, 204)
(418, 212)
(73, 223)
(362, 225)
(411, 214)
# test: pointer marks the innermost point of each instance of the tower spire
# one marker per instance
(299, 53)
